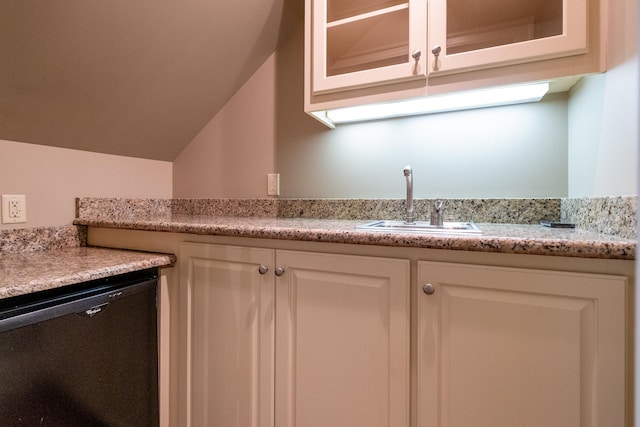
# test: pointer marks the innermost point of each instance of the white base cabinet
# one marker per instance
(340, 325)
(504, 347)
(504, 339)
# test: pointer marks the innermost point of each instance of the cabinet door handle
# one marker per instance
(279, 271)
(436, 50)
(416, 54)
(428, 289)
(263, 269)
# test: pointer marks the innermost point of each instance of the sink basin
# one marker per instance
(422, 227)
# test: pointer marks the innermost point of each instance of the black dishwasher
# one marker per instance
(81, 355)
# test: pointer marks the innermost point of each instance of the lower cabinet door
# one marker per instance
(342, 341)
(505, 347)
(228, 332)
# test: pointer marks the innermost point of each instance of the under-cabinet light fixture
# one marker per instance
(492, 97)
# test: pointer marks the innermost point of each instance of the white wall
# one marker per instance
(517, 151)
(603, 115)
(603, 152)
(52, 178)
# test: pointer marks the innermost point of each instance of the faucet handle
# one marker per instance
(437, 213)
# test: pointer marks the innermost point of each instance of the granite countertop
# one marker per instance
(501, 238)
(33, 271)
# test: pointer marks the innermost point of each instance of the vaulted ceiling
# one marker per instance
(131, 77)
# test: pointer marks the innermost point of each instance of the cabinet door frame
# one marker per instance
(261, 326)
(598, 301)
(573, 41)
(316, 19)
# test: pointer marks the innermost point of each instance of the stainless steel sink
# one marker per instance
(422, 227)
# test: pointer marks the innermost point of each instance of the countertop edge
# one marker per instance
(42, 270)
(582, 244)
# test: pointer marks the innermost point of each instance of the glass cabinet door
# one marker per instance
(466, 35)
(360, 43)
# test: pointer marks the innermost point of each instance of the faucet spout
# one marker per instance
(408, 173)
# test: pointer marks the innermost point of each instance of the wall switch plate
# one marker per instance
(14, 209)
(273, 184)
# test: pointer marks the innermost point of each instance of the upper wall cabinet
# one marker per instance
(469, 35)
(360, 43)
(362, 51)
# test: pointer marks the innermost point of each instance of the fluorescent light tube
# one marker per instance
(491, 97)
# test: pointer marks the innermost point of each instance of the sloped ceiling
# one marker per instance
(137, 78)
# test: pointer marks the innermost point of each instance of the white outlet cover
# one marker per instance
(14, 208)
(273, 184)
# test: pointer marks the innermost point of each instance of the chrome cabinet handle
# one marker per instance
(263, 269)
(428, 289)
(416, 54)
(436, 50)
(279, 271)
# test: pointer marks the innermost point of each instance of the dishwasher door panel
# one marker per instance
(91, 368)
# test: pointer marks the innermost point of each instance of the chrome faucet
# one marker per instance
(408, 173)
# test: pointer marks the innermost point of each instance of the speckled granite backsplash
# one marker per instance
(615, 215)
(506, 211)
(42, 238)
(608, 215)
(503, 211)
(121, 208)
(227, 207)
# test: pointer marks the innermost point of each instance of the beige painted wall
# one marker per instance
(52, 178)
(517, 151)
(578, 144)
(232, 155)
(514, 151)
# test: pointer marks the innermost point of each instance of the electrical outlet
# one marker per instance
(14, 209)
(273, 184)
